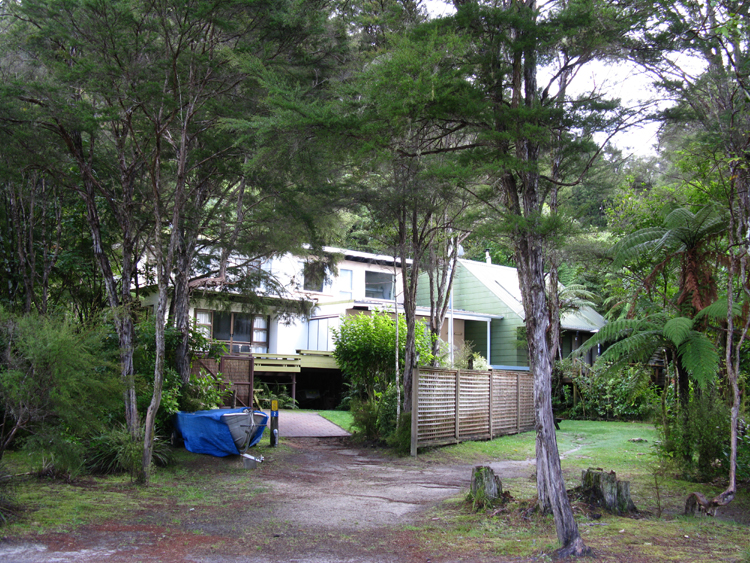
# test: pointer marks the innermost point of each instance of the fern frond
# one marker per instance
(638, 347)
(636, 245)
(679, 217)
(673, 240)
(678, 329)
(700, 357)
(717, 311)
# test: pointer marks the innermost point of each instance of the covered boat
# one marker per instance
(221, 432)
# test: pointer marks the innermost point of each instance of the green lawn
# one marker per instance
(659, 533)
(343, 419)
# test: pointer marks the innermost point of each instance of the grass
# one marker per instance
(607, 445)
(194, 484)
(344, 419)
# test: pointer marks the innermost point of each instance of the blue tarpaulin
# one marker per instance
(204, 432)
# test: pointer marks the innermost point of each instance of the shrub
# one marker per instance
(365, 418)
(387, 412)
(115, 451)
(696, 438)
(400, 438)
(464, 357)
(53, 375)
(366, 351)
(603, 394)
(279, 393)
(8, 505)
(55, 454)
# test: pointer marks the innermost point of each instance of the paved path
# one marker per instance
(296, 424)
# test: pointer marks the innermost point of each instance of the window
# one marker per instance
(242, 332)
(315, 276)
(345, 284)
(203, 322)
(378, 285)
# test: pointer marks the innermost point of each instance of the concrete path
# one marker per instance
(296, 424)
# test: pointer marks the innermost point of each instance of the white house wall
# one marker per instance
(339, 296)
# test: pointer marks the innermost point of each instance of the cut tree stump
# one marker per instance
(486, 487)
(603, 489)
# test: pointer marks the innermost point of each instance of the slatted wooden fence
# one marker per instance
(457, 405)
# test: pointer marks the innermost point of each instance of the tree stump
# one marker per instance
(603, 489)
(486, 487)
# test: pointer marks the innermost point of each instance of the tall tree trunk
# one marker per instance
(524, 199)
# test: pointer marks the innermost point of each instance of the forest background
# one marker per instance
(147, 143)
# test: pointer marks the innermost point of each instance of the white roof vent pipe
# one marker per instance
(487, 257)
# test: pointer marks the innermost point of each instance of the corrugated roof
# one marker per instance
(502, 281)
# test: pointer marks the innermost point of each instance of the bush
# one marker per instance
(366, 351)
(387, 412)
(376, 420)
(53, 375)
(115, 451)
(365, 417)
(464, 357)
(696, 439)
(279, 393)
(400, 438)
(603, 394)
(8, 505)
(201, 393)
(55, 454)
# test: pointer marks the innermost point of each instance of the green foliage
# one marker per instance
(400, 438)
(387, 412)
(603, 394)
(743, 456)
(636, 340)
(9, 508)
(115, 451)
(365, 414)
(266, 393)
(53, 453)
(695, 438)
(202, 392)
(366, 348)
(464, 357)
(55, 378)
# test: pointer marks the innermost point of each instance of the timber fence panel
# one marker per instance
(436, 411)
(456, 405)
(239, 371)
(526, 386)
(504, 403)
(474, 405)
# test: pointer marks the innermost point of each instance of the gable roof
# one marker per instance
(502, 281)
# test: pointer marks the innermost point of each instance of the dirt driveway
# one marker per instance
(315, 500)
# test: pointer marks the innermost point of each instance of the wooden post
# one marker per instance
(414, 410)
(294, 388)
(518, 402)
(458, 397)
(251, 397)
(490, 402)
